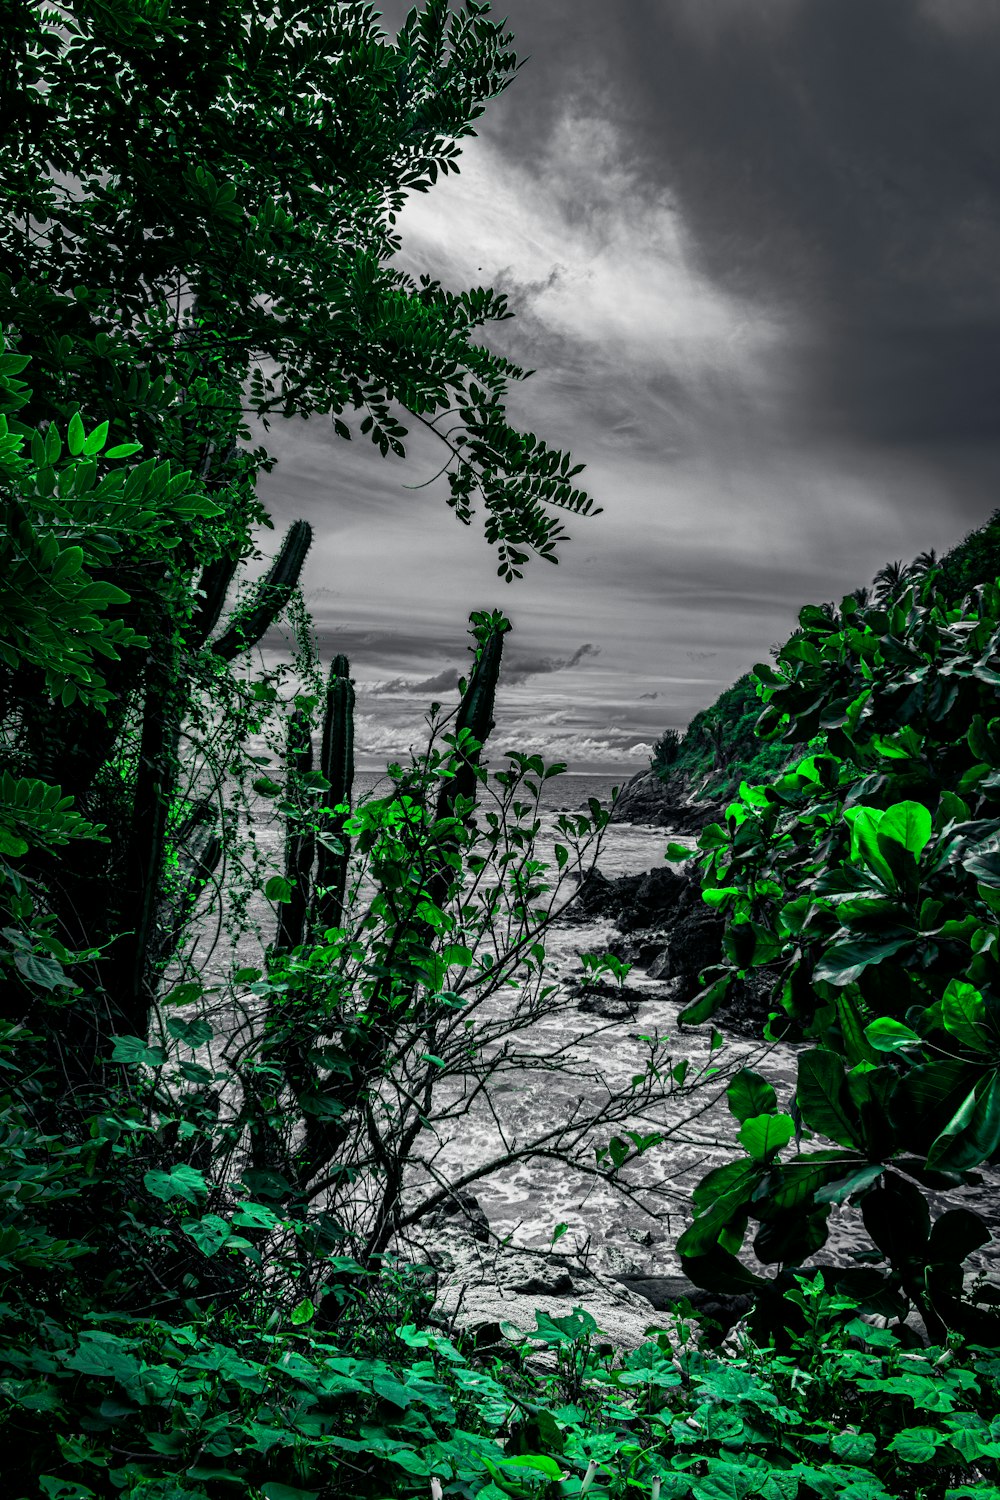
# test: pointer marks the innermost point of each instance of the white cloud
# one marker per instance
(588, 253)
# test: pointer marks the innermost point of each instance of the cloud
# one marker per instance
(512, 673)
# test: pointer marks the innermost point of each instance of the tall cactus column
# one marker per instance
(300, 840)
(337, 765)
(475, 714)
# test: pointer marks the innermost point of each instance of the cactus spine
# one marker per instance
(270, 596)
(337, 766)
(299, 841)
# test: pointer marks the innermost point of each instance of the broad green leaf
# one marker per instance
(705, 1005)
(972, 1135)
(820, 1091)
(963, 1012)
(908, 824)
(278, 889)
(853, 1447)
(844, 963)
(887, 1035)
(132, 1049)
(762, 1134)
(76, 435)
(180, 1182)
(956, 1233)
(303, 1312)
(864, 825)
(750, 1094)
(917, 1445)
(47, 973)
(844, 1187)
(209, 1233)
(719, 896)
(95, 442)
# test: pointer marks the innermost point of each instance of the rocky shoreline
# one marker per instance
(489, 1289)
(666, 930)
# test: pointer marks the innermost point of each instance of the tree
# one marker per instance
(215, 226)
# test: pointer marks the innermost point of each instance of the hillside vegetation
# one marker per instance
(721, 748)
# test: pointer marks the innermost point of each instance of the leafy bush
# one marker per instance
(866, 882)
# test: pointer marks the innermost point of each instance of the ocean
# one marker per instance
(562, 793)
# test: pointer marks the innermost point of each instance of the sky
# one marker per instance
(753, 248)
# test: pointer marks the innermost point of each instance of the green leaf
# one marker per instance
(955, 1234)
(963, 1012)
(854, 1447)
(887, 1035)
(972, 1135)
(750, 1094)
(302, 1312)
(123, 450)
(47, 973)
(864, 825)
(255, 1216)
(95, 442)
(76, 436)
(278, 889)
(64, 1489)
(180, 1182)
(271, 1489)
(917, 1445)
(844, 1187)
(705, 1005)
(719, 896)
(820, 1091)
(132, 1049)
(844, 963)
(209, 1233)
(908, 824)
(760, 1135)
(536, 1462)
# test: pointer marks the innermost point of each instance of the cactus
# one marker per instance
(213, 587)
(337, 765)
(299, 841)
(269, 597)
(476, 715)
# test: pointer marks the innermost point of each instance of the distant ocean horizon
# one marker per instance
(570, 790)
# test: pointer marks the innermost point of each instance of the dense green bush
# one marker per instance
(866, 882)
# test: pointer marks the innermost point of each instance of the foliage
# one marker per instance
(719, 747)
(247, 241)
(865, 882)
(184, 1407)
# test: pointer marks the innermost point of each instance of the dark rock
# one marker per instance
(665, 1292)
(695, 945)
(653, 901)
(464, 1210)
(536, 1276)
(612, 1002)
(664, 804)
(659, 968)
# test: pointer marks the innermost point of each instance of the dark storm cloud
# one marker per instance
(838, 161)
(514, 672)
